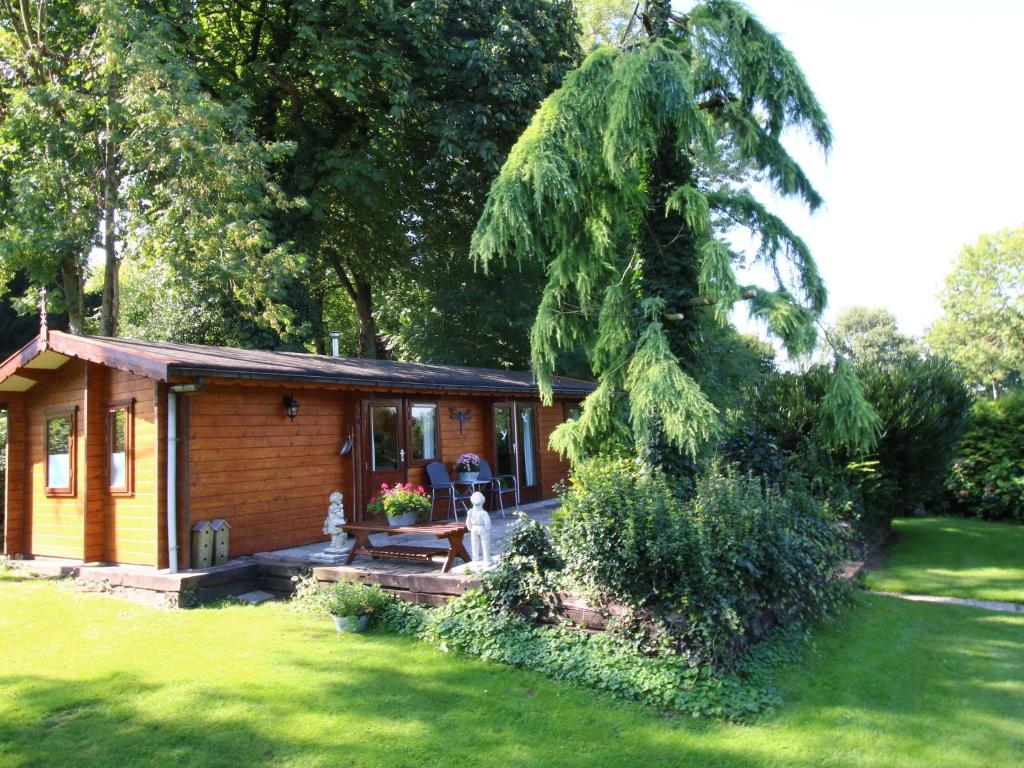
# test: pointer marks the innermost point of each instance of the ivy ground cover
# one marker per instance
(91, 680)
(954, 557)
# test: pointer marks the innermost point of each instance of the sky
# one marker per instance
(927, 106)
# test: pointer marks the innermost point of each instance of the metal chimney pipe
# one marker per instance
(335, 340)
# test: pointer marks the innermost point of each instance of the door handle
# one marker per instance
(401, 455)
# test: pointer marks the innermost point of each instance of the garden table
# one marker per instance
(452, 532)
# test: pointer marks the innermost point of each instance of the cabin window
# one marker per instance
(572, 411)
(60, 453)
(384, 436)
(119, 434)
(423, 432)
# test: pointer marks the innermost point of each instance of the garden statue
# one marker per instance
(479, 524)
(340, 545)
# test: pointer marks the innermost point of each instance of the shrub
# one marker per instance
(706, 576)
(924, 405)
(987, 478)
(350, 600)
(754, 452)
(528, 570)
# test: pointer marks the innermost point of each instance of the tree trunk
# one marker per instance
(360, 291)
(364, 313)
(71, 276)
(111, 289)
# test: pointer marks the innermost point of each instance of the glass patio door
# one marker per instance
(515, 446)
(385, 451)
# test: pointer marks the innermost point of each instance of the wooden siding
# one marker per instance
(130, 530)
(267, 475)
(553, 469)
(475, 437)
(56, 523)
(92, 446)
(15, 501)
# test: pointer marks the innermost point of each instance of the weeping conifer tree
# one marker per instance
(628, 185)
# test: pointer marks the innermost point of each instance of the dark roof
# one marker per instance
(166, 361)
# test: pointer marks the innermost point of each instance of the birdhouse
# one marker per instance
(202, 544)
(221, 533)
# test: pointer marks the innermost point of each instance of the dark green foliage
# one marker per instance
(18, 328)
(923, 405)
(705, 576)
(987, 478)
(475, 625)
(755, 453)
(400, 115)
(528, 570)
(920, 404)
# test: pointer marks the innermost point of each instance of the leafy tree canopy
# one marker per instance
(400, 115)
(110, 141)
(870, 338)
(982, 324)
(627, 184)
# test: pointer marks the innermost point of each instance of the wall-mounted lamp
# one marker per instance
(291, 406)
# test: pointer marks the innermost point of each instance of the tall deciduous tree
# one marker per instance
(401, 114)
(982, 324)
(111, 143)
(617, 186)
(870, 337)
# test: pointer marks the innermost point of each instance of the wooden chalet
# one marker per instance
(117, 447)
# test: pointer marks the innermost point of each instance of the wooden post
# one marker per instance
(15, 500)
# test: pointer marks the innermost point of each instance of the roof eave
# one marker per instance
(20, 359)
(227, 373)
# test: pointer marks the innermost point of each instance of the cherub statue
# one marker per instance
(332, 525)
(479, 524)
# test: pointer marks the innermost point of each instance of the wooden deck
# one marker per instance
(420, 582)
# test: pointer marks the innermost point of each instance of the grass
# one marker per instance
(91, 680)
(956, 557)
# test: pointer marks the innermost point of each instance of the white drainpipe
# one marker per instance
(172, 468)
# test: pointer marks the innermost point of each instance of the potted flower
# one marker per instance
(468, 466)
(353, 605)
(401, 503)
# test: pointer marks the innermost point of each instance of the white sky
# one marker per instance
(926, 100)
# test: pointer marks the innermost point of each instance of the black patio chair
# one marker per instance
(498, 485)
(442, 488)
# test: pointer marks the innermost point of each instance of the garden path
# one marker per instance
(989, 605)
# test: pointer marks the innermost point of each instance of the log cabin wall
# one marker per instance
(474, 437)
(131, 533)
(553, 468)
(15, 500)
(267, 475)
(56, 523)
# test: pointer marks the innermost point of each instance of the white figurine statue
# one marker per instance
(479, 524)
(332, 525)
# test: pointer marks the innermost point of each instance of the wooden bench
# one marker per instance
(453, 532)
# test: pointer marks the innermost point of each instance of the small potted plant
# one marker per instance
(468, 467)
(353, 605)
(401, 503)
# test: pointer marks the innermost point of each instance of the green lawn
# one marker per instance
(91, 680)
(955, 557)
